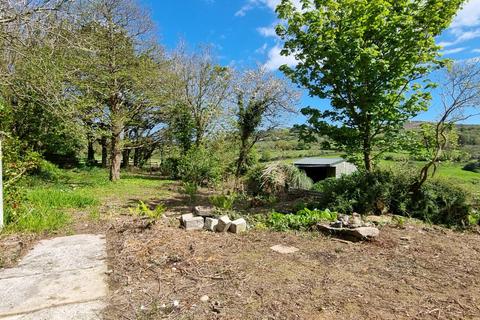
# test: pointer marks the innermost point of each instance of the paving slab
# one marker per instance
(61, 278)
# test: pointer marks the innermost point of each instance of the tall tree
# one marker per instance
(370, 58)
(121, 70)
(260, 100)
(198, 92)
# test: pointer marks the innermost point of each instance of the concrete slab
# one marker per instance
(61, 278)
(77, 311)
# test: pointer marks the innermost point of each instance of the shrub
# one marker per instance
(169, 167)
(441, 202)
(223, 202)
(47, 171)
(303, 220)
(190, 189)
(277, 178)
(199, 166)
(473, 167)
(385, 191)
(142, 210)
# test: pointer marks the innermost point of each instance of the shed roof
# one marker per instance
(318, 162)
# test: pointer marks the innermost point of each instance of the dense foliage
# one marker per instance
(302, 220)
(370, 58)
(381, 192)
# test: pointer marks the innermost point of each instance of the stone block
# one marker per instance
(211, 224)
(185, 217)
(204, 211)
(238, 226)
(195, 223)
(224, 223)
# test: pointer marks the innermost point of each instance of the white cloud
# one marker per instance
(476, 50)
(271, 4)
(461, 36)
(275, 59)
(267, 31)
(262, 49)
(469, 16)
(452, 51)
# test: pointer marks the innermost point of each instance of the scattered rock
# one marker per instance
(211, 224)
(203, 211)
(195, 223)
(355, 221)
(284, 249)
(204, 298)
(238, 226)
(352, 234)
(176, 303)
(224, 223)
(405, 238)
(366, 232)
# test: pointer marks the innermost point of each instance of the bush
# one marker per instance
(223, 202)
(385, 191)
(47, 171)
(169, 167)
(303, 220)
(441, 202)
(199, 166)
(142, 210)
(276, 178)
(190, 189)
(473, 167)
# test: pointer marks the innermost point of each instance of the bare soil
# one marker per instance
(412, 273)
(418, 272)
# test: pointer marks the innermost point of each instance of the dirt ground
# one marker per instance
(159, 271)
(413, 273)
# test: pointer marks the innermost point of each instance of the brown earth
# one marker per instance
(412, 273)
(418, 272)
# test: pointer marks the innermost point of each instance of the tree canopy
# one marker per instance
(370, 58)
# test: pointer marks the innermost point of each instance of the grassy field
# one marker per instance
(49, 205)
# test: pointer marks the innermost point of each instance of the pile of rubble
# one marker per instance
(205, 218)
(351, 228)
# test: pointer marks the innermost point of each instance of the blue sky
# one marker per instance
(241, 31)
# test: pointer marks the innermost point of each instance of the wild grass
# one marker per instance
(49, 204)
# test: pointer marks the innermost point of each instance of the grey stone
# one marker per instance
(204, 298)
(211, 224)
(224, 223)
(204, 211)
(195, 223)
(61, 278)
(355, 221)
(238, 226)
(284, 249)
(355, 234)
(185, 217)
(366, 232)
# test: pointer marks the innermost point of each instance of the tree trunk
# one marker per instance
(104, 143)
(241, 158)
(126, 158)
(90, 153)
(367, 146)
(136, 157)
(116, 150)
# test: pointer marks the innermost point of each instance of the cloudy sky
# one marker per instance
(242, 33)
